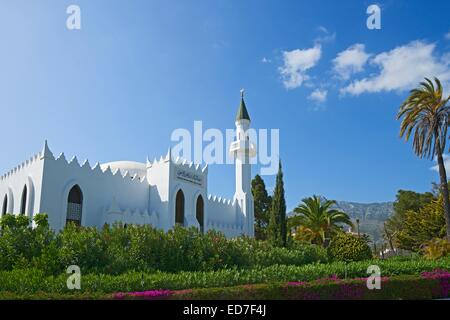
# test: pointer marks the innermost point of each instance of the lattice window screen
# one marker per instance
(74, 212)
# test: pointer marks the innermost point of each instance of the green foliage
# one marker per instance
(19, 243)
(115, 250)
(425, 114)
(348, 247)
(41, 220)
(406, 201)
(410, 200)
(422, 226)
(12, 222)
(277, 228)
(262, 203)
(32, 280)
(436, 249)
(264, 254)
(315, 221)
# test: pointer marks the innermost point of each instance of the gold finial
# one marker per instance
(242, 93)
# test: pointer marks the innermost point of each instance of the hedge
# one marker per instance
(30, 281)
(116, 250)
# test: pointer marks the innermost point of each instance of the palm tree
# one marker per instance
(426, 112)
(316, 221)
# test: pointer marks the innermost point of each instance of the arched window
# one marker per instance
(5, 205)
(199, 212)
(74, 206)
(23, 202)
(179, 208)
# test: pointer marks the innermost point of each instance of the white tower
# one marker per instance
(243, 150)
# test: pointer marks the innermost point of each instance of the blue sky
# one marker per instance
(137, 70)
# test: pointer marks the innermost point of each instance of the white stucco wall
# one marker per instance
(28, 173)
(147, 197)
(98, 188)
(182, 176)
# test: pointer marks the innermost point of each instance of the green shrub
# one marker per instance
(299, 255)
(347, 247)
(115, 249)
(19, 243)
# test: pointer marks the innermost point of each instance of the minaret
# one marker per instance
(243, 150)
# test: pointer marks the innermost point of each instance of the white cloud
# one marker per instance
(322, 29)
(318, 95)
(446, 164)
(326, 37)
(402, 69)
(296, 63)
(447, 35)
(350, 61)
(265, 60)
(446, 58)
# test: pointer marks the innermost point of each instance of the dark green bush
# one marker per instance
(116, 250)
(347, 247)
(263, 254)
(19, 243)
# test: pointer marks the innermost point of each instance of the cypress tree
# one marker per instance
(262, 202)
(277, 229)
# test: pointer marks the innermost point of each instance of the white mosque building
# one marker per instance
(161, 193)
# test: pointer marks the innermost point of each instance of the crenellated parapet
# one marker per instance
(183, 163)
(74, 164)
(179, 162)
(156, 162)
(23, 166)
(47, 155)
(223, 213)
(220, 200)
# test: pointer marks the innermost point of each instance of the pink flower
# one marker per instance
(436, 274)
(119, 295)
(150, 294)
(444, 281)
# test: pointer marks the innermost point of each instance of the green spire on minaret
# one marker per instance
(242, 112)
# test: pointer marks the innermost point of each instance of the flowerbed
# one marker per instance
(428, 285)
(29, 281)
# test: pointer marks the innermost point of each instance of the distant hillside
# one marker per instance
(379, 211)
(371, 216)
